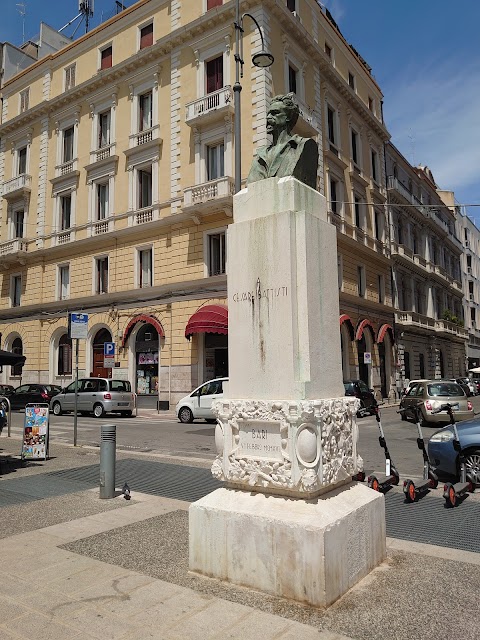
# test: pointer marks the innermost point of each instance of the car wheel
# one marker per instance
(57, 409)
(126, 414)
(472, 464)
(185, 415)
(98, 410)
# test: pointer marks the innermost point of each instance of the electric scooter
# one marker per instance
(453, 491)
(392, 476)
(411, 490)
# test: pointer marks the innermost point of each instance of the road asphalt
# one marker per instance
(75, 566)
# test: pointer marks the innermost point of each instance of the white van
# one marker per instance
(198, 404)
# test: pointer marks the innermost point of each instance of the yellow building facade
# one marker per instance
(116, 174)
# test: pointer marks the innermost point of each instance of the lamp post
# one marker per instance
(262, 59)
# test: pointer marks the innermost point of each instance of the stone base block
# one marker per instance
(310, 551)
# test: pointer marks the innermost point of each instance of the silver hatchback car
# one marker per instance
(96, 395)
(430, 395)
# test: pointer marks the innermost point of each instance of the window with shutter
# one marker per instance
(145, 111)
(22, 161)
(106, 58)
(24, 100)
(69, 77)
(214, 73)
(65, 212)
(68, 135)
(146, 36)
(65, 356)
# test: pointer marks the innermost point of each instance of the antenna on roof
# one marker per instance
(86, 12)
(22, 10)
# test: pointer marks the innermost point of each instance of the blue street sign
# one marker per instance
(78, 325)
(109, 349)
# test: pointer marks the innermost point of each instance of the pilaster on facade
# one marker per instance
(175, 14)
(175, 121)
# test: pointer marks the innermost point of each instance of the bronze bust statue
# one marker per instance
(289, 154)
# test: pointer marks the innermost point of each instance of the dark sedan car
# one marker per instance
(27, 393)
(444, 457)
(360, 390)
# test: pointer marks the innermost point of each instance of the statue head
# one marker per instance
(283, 112)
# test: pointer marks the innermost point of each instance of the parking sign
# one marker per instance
(108, 355)
(109, 349)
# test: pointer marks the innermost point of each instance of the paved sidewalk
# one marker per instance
(75, 566)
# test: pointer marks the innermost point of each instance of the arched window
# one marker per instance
(64, 365)
(17, 348)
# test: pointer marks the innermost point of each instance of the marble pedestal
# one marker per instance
(311, 551)
(290, 522)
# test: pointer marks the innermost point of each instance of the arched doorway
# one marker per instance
(147, 360)
(363, 372)
(347, 334)
(98, 370)
(17, 349)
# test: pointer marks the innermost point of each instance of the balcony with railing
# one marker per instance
(395, 185)
(425, 323)
(213, 106)
(143, 216)
(144, 137)
(63, 237)
(66, 168)
(13, 250)
(103, 153)
(209, 196)
(99, 227)
(17, 187)
(413, 319)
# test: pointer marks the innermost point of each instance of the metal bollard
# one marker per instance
(108, 442)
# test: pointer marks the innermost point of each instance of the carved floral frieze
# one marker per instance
(298, 448)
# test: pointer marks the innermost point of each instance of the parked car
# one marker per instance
(360, 390)
(6, 389)
(96, 395)
(411, 384)
(467, 385)
(443, 455)
(432, 394)
(27, 393)
(198, 404)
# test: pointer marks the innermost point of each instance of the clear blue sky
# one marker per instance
(424, 55)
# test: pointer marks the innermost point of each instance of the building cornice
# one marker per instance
(215, 286)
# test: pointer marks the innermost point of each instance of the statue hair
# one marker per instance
(291, 105)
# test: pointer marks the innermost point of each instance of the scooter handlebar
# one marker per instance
(445, 407)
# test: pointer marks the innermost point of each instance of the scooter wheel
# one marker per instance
(374, 484)
(395, 479)
(471, 485)
(433, 481)
(450, 495)
(410, 493)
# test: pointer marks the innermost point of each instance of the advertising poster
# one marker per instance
(35, 432)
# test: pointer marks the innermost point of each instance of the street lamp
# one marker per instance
(262, 60)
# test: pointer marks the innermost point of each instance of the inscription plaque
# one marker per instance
(259, 439)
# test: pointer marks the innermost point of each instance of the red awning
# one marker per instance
(345, 318)
(361, 327)
(213, 318)
(383, 330)
(142, 318)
